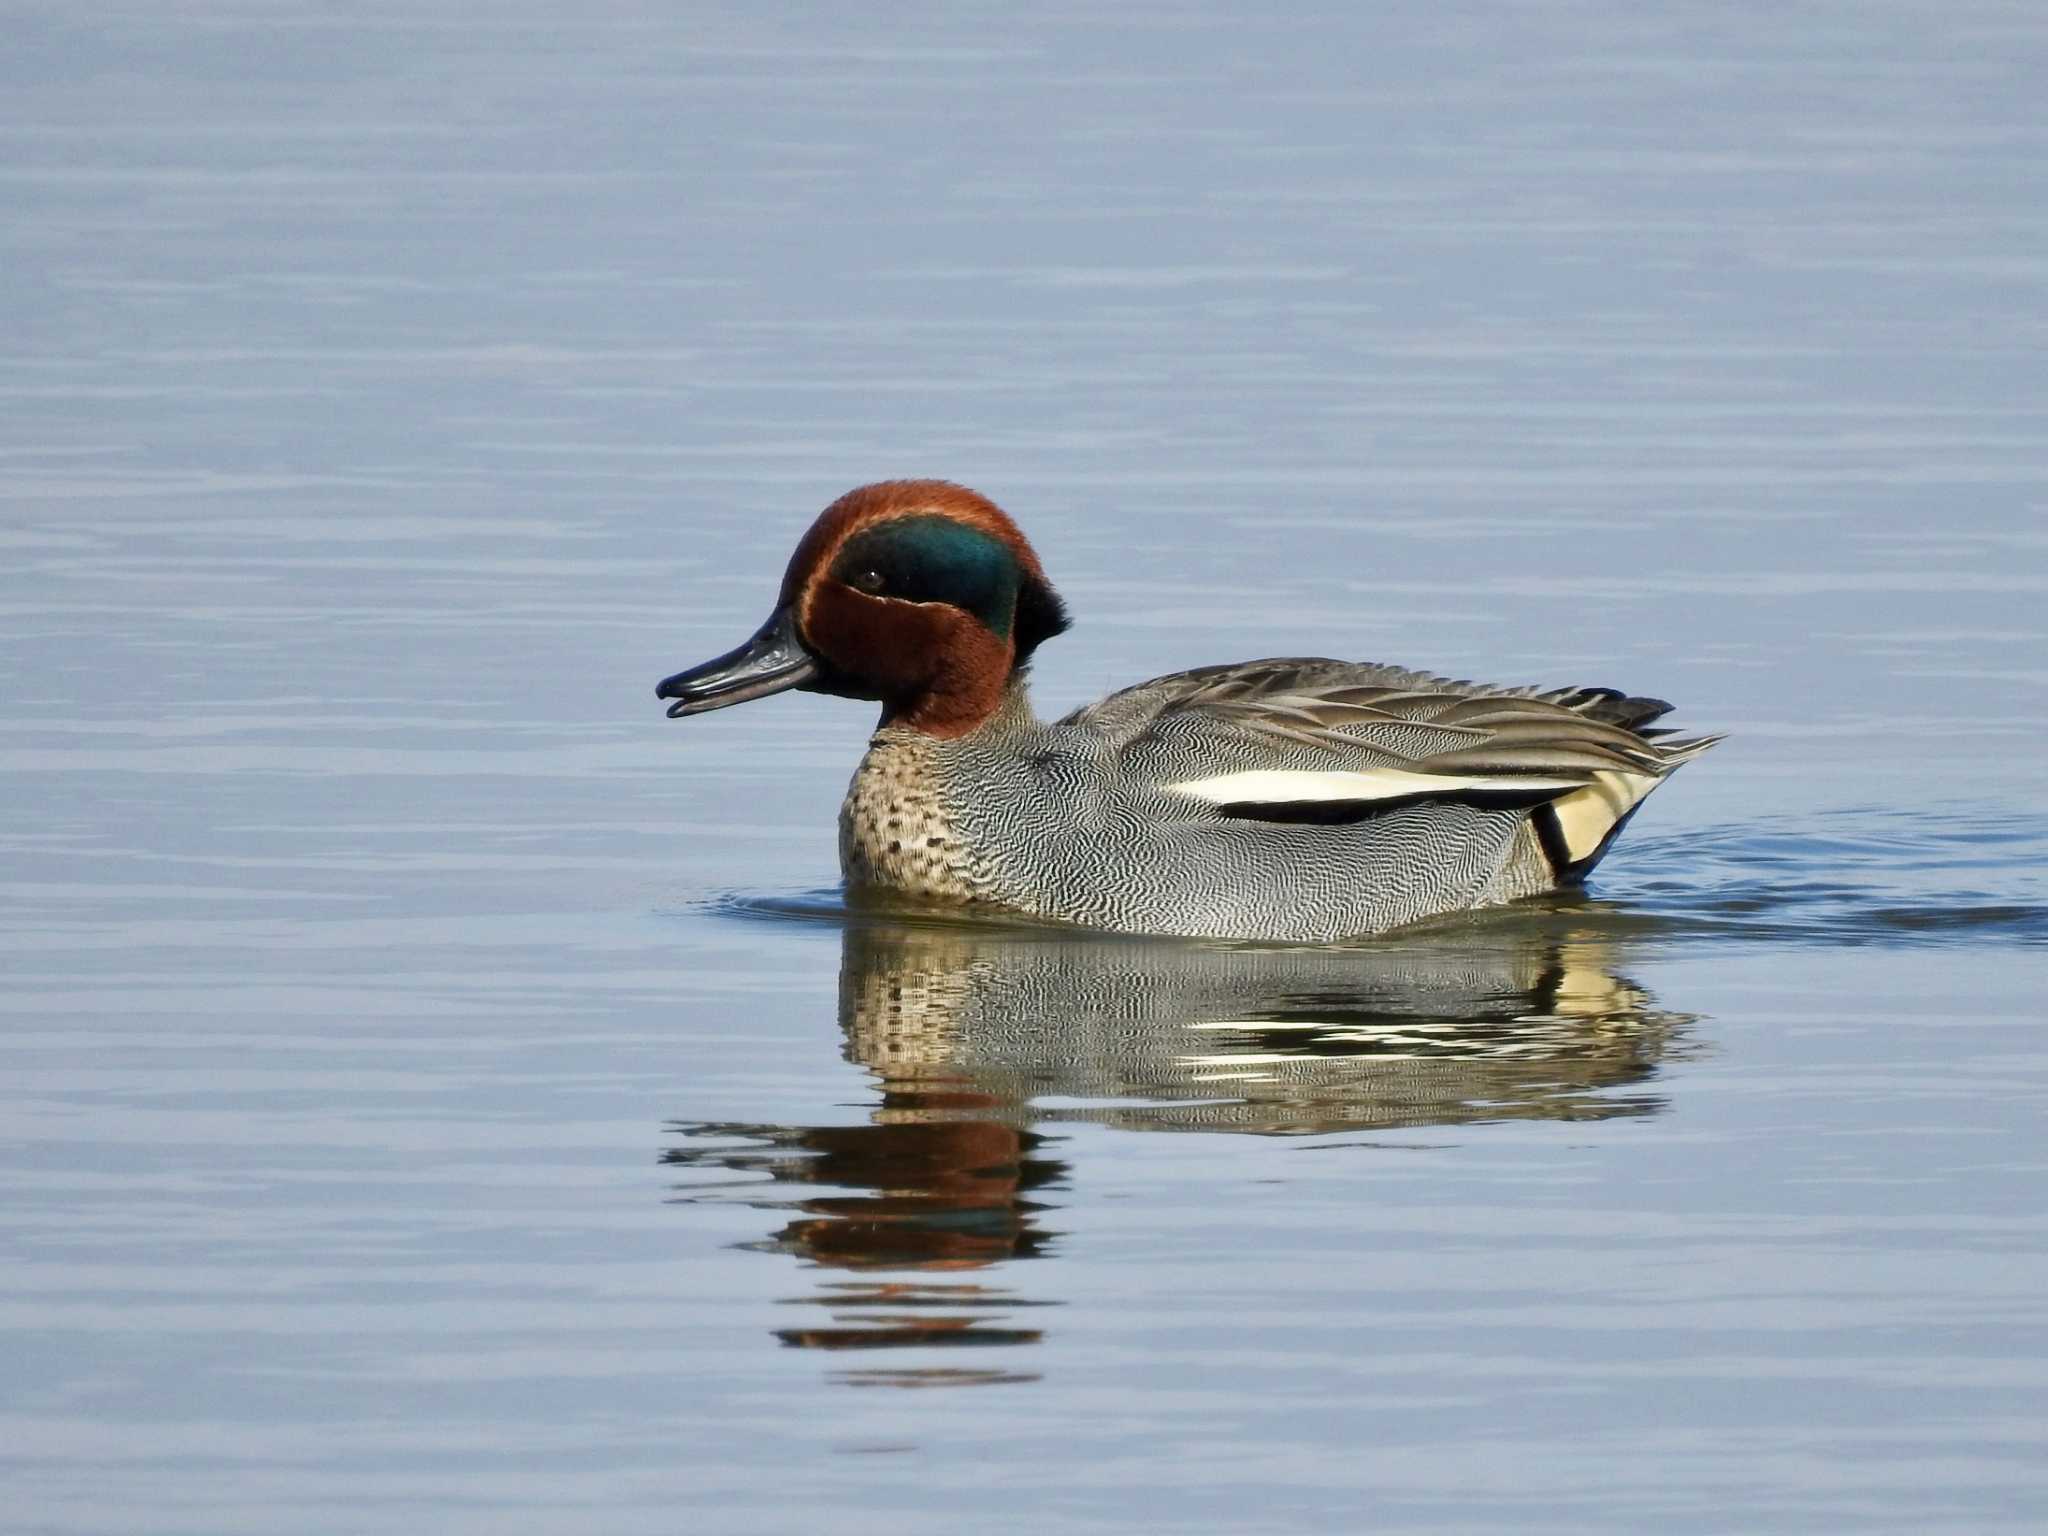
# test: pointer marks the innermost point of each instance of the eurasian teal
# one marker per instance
(1297, 798)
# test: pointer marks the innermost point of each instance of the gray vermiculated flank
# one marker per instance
(1073, 819)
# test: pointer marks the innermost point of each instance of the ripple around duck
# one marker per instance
(1960, 874)
(1950, 874)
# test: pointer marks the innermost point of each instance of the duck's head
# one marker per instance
(918, 593)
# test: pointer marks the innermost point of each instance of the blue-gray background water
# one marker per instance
(438, 1093)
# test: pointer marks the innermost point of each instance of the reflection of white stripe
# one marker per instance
(1587, 815)
(1271, 786)
(1249, 1024)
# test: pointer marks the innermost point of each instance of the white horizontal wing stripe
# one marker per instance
(1270, 786)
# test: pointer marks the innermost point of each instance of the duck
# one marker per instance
(1296, 799)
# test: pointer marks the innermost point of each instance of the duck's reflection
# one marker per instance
(976, 1035)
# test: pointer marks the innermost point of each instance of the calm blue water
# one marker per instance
(437, 1092)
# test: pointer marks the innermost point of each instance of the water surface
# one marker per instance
(436, 1091)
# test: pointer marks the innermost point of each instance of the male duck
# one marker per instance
(1296, 799)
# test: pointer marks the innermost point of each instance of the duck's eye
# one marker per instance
(868, 580)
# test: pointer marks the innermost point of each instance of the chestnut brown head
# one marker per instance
(918, 593)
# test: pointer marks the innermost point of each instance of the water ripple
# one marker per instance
(1869, 875)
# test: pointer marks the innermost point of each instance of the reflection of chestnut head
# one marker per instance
(931, 1193)
(931, 1187)
(937, 1181)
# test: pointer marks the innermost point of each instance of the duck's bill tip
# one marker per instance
(773, 660)
(702, 703)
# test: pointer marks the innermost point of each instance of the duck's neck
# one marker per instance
(973, 708)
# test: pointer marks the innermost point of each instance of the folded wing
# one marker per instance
(1308, 739)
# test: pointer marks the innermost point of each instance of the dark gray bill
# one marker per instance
(770, 662)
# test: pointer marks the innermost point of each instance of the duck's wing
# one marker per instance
(1313, 739)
